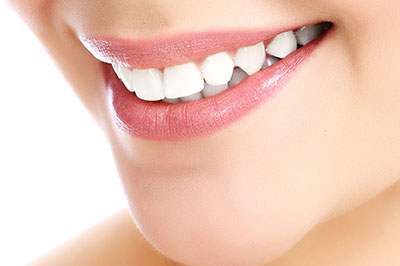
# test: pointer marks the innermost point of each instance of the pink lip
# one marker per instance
(172, 50)
(188, 120)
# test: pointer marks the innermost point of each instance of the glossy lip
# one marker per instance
(162, 121)
(174, 49)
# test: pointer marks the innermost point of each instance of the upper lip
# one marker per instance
(176, 49)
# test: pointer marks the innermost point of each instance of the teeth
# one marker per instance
(282, 45)
(238, 76)
(117, 70)
(217, 69)
(186, 82)
(194, 97)
(127, 78)
(182, 80)
(251, 58)
(148, 84)
(212, 90)
(270, 61)
(171, 100)
(308, 33)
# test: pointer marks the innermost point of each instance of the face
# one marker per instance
(244, 189)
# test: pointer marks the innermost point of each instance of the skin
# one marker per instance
(309, 178)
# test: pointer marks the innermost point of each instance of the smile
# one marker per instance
(191, 86)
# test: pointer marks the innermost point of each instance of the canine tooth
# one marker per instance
(282, 45)
(308, 33)
(217, 69)
(194, 97)
(270, 61)
(148, 84)
(127, 78)
(117, 70)
(182, 80)
(238, 76)
(251, 58)
(171, 100)
(212, 90)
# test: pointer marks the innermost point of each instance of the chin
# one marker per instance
(199, 219)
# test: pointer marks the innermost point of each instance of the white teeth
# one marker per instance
(282, 45)
(238, 76)
(194, 97)
(251, 58)
(182, 80)
(217, 69)
(127, 78)
(148, 84)
(117, 70)
(269, 62)
(212, 90)
(308, 33)
(185, 83)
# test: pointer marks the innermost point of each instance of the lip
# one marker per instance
(162, 121)
(174, 49)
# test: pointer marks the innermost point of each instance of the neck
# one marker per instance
(368, 235)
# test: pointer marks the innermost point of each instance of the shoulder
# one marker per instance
(114, 241)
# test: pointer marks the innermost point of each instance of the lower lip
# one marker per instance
(189, 120)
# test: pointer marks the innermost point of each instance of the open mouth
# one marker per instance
(191, 87)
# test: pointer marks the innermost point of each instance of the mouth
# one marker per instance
(193, 85)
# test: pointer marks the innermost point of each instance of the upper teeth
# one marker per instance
(217, 69)
(182, 80)
(148, 84)
(282, 45)
(308, 33)
(126, 76)
(251, 59)
(188, 82)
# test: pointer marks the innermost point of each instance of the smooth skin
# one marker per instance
(309, 178)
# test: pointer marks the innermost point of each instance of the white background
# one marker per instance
(57, 175)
